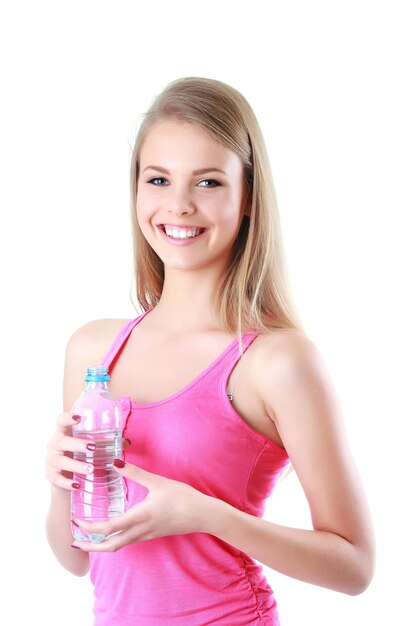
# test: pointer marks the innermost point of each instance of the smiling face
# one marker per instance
(191, 196)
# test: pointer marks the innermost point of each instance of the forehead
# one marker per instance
(171, 141)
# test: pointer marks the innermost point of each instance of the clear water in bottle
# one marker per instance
(101, 492)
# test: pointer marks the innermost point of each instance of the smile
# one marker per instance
(181, 232)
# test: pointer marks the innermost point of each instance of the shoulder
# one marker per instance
(285, 348)
(96, 332)
(87, 346)
(94, 338)
(288, 364)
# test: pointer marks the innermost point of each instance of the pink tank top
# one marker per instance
(194, 436)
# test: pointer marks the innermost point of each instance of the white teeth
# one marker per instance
(182, 233)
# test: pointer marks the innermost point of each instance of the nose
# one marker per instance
(180, 202)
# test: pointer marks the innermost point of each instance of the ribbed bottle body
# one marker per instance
(100, 495)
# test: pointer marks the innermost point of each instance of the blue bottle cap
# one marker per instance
(97, 374)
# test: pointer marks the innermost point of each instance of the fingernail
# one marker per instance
(76, 547)
(128, 441)
(119, 463)
(75, 485)
(76, 418)
(91, 446)
(75, 523)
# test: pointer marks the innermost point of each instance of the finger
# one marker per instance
(115, 542)
(139, 475)
(59, 480)
(65, 443)
(65, 463)
(119, 523)
(66, 419)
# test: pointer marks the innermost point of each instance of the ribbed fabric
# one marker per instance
(194, 436)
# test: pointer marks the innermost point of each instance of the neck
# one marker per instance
(189, 301)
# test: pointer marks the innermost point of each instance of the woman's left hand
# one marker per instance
(170, 508)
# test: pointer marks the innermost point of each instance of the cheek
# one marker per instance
(143, 212)
(144, 227)
(228, 213)
(143, 223)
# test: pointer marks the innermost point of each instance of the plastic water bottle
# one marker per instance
(101, 494)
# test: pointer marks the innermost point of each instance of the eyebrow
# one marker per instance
(204, 170)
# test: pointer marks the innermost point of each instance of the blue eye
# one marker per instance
(158, 181)
(210, 183)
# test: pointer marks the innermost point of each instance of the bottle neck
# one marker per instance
(96, 385)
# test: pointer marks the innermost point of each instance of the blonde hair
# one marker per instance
(254, 291)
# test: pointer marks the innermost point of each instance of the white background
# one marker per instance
(334, 87)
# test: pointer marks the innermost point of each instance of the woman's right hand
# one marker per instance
(60, 464)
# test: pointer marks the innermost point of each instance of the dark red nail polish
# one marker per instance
(76, 547)
(75, 485)
(119, 463)
(76, 418)
(91, 446)
(75, 523)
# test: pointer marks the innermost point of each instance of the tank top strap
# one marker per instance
(238, 351)
(233, 358)
(120, 340)
(247, 337)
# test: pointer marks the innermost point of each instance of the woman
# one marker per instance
(220, 387)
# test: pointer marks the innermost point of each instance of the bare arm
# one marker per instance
(339, 552)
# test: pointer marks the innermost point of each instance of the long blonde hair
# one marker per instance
(254, 291)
